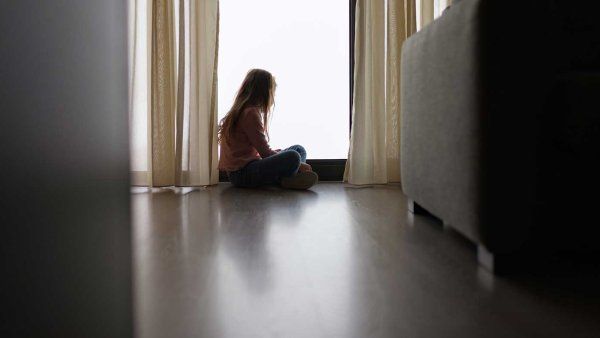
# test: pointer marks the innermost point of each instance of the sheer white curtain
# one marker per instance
(173, 92)
(381, 28)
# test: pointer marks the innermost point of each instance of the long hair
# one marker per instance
(257, 89)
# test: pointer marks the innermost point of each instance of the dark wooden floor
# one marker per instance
(338, 261)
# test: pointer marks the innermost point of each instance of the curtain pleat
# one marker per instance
(401, 24)
(179, 110)
(409, 15)
(366, 162)
(199, 162)
(163, 90)
(140, 42)
(374, 156)
(427, 12)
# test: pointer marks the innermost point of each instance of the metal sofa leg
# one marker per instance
(415, 208)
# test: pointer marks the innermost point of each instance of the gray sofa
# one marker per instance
(500, 125)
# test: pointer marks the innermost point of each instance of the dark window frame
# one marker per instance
(332, 169)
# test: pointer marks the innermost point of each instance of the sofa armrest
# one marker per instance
(441, 122)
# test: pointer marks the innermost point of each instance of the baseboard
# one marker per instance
(329, 170)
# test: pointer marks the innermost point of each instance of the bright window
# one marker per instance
(304, 44)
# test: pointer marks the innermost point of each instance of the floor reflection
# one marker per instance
(173, 233)
(257, 255)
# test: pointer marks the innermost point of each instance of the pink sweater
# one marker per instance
(247, 143)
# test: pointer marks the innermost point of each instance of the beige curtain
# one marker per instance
(366, 162)
(401, 24)
(426, 12)
(173, 90)
(374, 156)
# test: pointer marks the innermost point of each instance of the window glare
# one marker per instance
(304, 44)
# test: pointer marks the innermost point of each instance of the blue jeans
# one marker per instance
(269, 170)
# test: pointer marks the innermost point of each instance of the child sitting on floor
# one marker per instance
(245, 153)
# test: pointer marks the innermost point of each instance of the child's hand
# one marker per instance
(304, 167)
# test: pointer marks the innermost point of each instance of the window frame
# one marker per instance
(332, 169)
